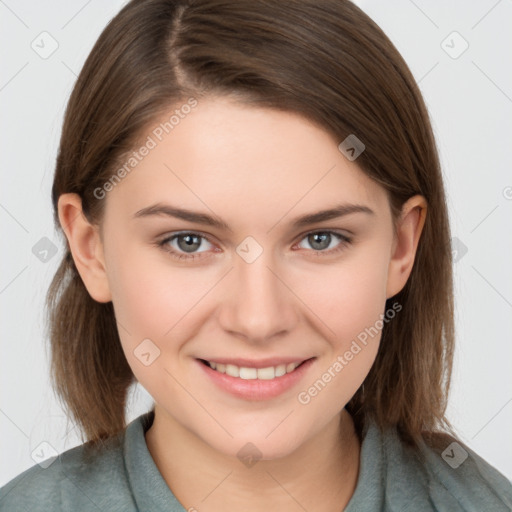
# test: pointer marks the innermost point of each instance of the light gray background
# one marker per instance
(470, 102)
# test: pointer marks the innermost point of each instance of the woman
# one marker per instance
(257, 232)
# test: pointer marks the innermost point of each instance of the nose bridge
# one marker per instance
(261, 306)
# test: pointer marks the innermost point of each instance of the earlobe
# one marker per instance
(405, 245)
(85, 245)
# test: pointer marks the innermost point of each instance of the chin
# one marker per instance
(254, 447)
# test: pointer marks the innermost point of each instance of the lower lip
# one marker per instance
(256, 389)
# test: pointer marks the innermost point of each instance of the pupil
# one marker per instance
(189, 242)
(325, 236)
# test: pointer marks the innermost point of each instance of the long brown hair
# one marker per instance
(324, 59)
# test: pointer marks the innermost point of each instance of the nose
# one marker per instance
(259, 305)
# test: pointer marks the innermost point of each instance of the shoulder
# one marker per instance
(441, 474)
(75, 480)
(460, 476)
(448, 475)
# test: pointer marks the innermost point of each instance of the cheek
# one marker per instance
(348, 296)
(351, 302)
(161, 302)
(349, 299)
(151, 298)
(153, 305)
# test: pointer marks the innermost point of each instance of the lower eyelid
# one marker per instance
(343, 242)
(171, 238)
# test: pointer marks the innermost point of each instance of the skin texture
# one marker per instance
(257, 169)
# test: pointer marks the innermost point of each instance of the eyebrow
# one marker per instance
(160, 209)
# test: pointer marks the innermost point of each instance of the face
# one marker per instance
(256, 289)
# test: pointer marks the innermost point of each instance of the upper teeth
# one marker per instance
(254, 373)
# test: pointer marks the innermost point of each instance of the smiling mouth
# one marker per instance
(247, 373)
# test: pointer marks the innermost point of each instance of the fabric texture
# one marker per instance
(392, 477)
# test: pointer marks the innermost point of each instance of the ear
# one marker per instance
(409, 230)
(85, 245)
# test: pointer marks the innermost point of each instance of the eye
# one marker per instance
(321, 241)
(182, 245)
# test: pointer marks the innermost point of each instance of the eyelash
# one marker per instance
(163, 244)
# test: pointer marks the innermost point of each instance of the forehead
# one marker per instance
(240, 161)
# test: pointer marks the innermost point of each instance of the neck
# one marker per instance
(320, 475)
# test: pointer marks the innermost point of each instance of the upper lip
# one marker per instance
(253, 363)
